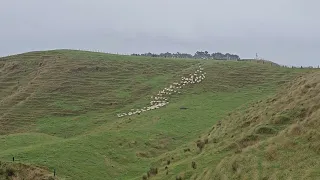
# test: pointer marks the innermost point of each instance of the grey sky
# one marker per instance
(284, 31)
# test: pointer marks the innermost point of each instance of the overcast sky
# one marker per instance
(284, 31)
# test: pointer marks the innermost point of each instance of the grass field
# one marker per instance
(58, 110)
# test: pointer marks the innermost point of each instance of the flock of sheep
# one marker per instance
(162, 98)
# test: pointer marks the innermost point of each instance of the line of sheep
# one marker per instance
(162, 98)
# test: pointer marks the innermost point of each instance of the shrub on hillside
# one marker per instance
(235, 166)
(144, 177)
(10, 172)
(152, 172)
(200, 144)
(187, 150)
(206, 141)
(215, 140)
(194, 165)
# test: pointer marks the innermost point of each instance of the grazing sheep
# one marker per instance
(161, 99)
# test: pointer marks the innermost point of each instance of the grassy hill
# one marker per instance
(275, 138)
(59, 110)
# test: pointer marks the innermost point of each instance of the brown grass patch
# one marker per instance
(180, 177)
(265, 130)
(315, 146)
(21, 171)
(295, 129)
(271, 153)
(245, 124)
(248, 141)
(233, 147)
(235, 166)
(143, 154)
(287, 143)
(206, 141)
(281, 119)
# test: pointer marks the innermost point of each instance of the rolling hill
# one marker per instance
(58, 109)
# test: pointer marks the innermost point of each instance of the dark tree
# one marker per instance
(197, 55)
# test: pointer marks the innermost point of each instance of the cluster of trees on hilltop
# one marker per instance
(197, 55)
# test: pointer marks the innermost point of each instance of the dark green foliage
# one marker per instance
(197, 55)
(200, 144)
(194, 165)
(265, 130)
(282, 119)
(153, 171)
(144, 177)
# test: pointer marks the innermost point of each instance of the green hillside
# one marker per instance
(275, 138)
(59, 110)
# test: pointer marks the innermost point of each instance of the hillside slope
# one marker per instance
(59, 109)
(69, 83)
(277, 138)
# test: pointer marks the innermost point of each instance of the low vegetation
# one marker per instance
(17, 171)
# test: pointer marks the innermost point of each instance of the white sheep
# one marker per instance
(161, 100)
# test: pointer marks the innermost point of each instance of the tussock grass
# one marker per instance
(19, 171)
